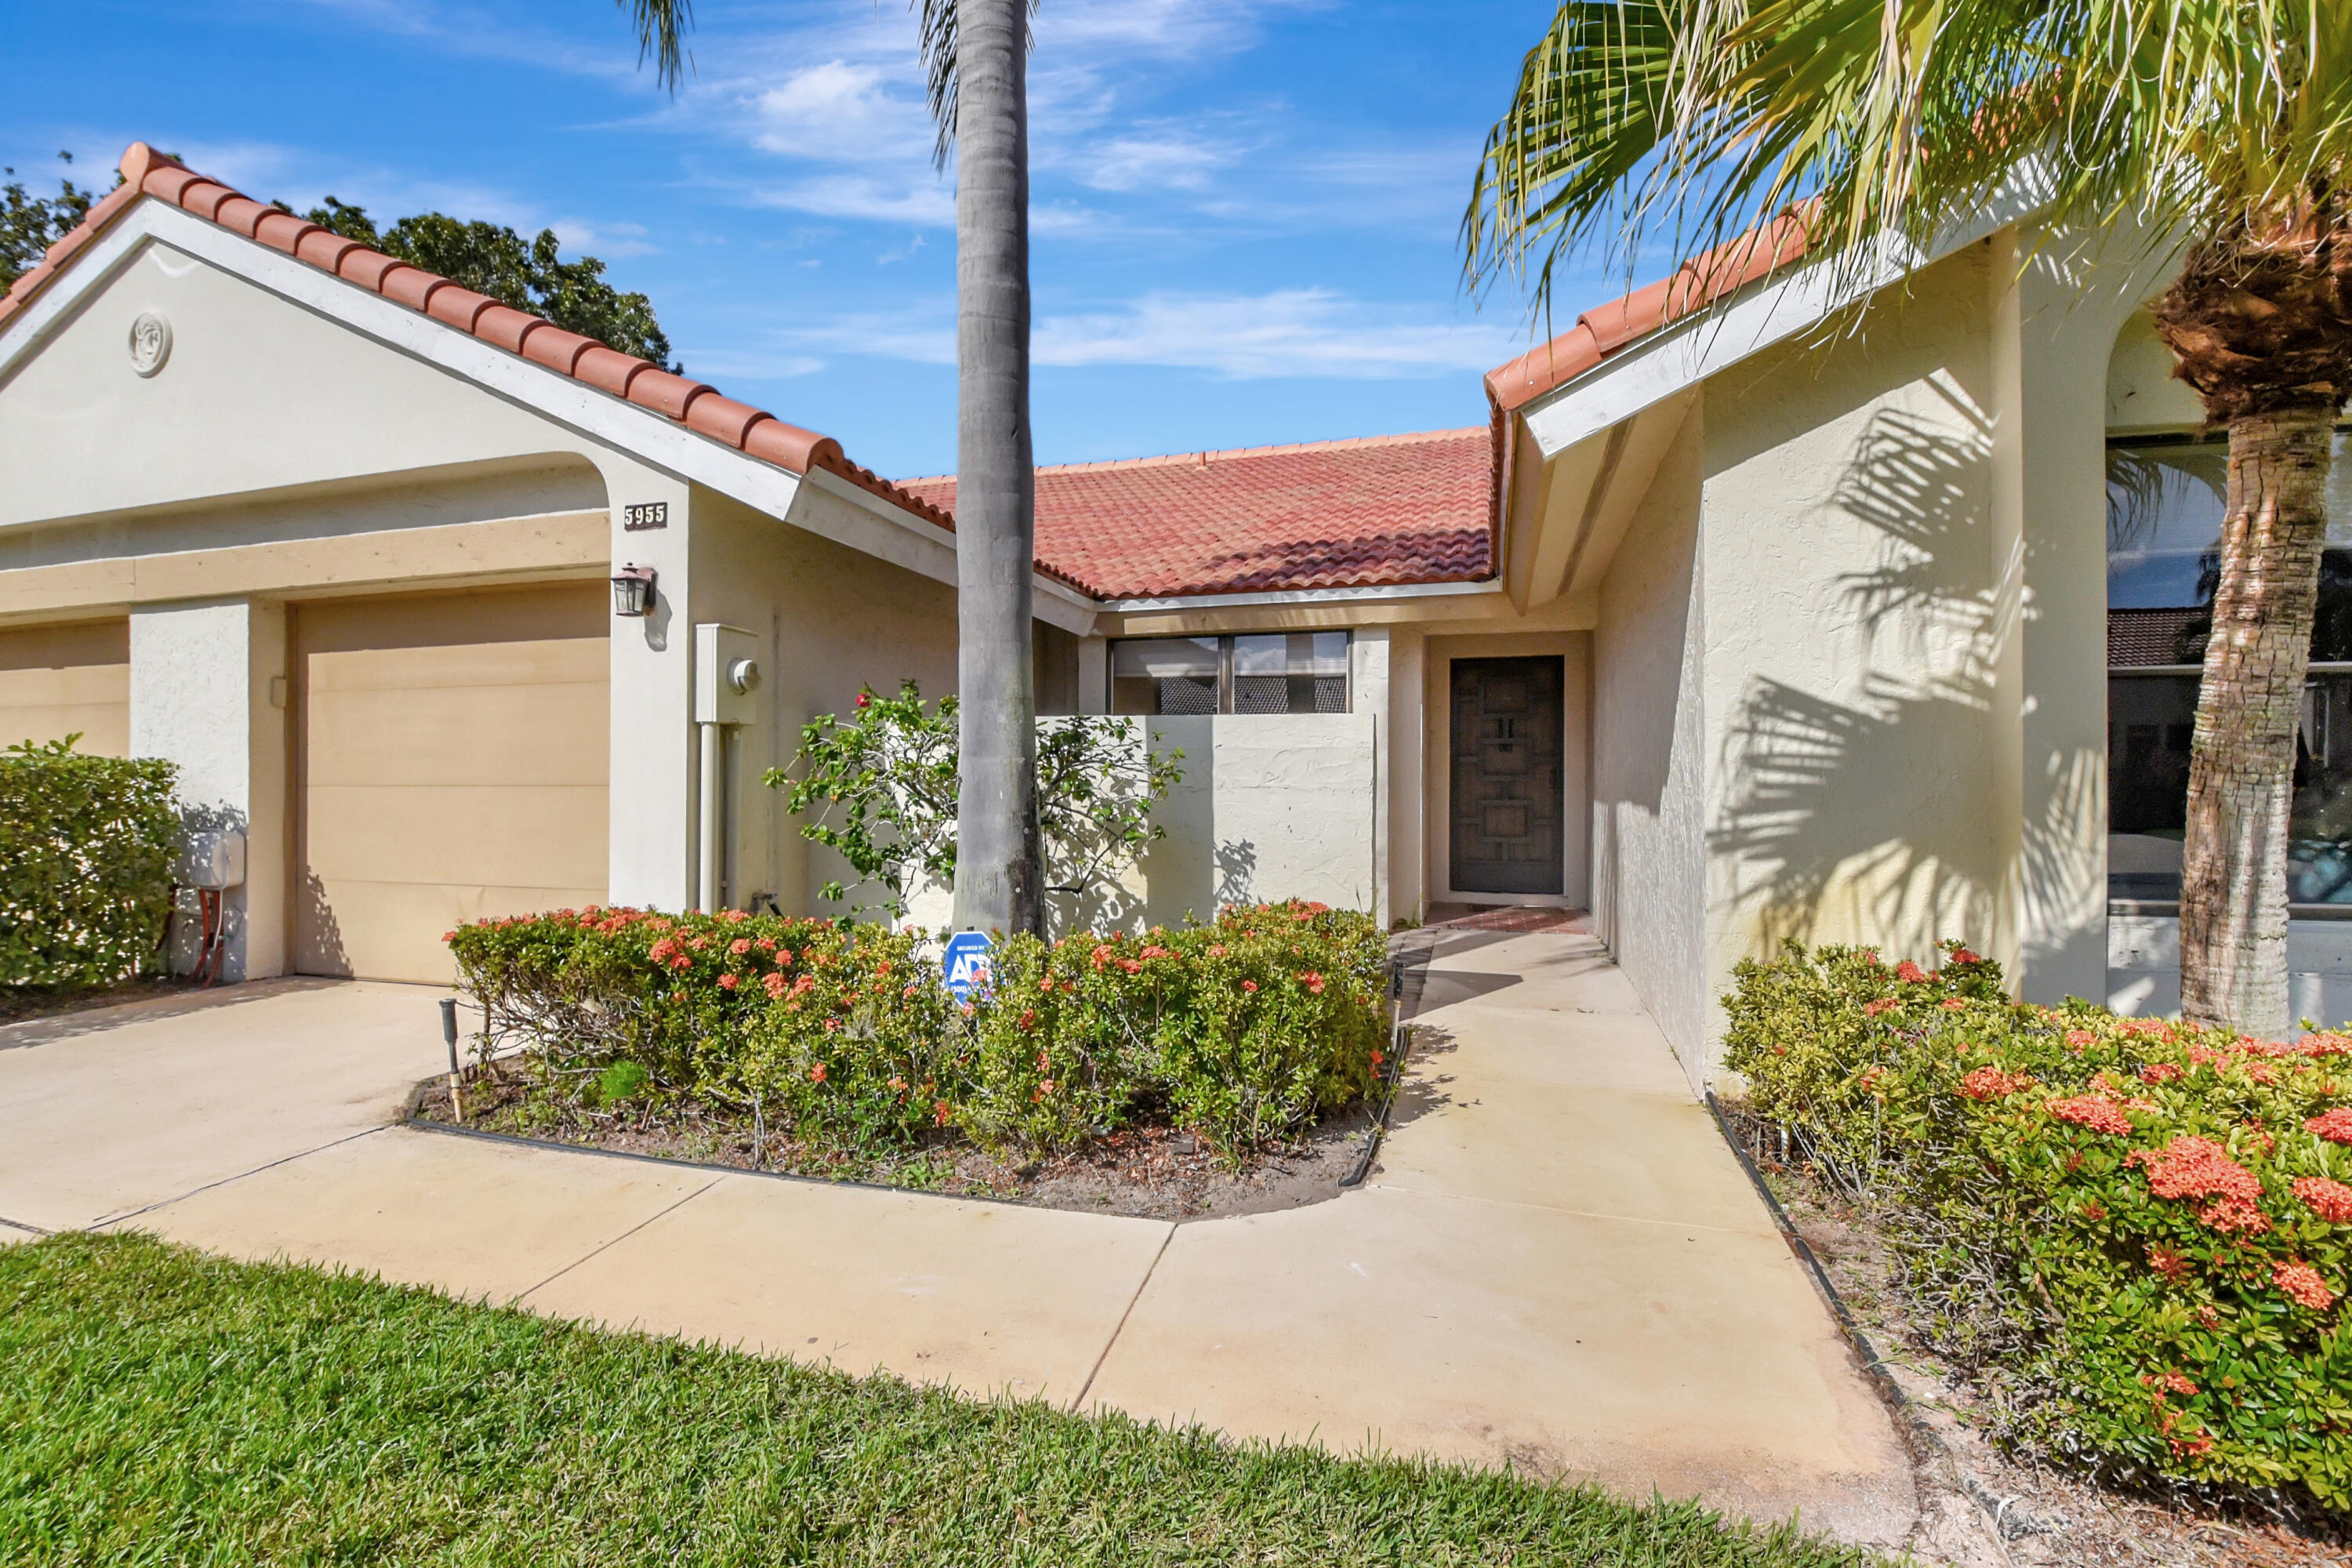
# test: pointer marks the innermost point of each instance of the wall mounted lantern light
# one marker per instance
(633, 591)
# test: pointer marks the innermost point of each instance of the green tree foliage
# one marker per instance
(29, 225)
(528, 274)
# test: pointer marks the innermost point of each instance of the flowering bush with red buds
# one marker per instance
(2136, 1234)
(1242, 1031)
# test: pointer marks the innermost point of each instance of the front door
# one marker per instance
(1506, 775)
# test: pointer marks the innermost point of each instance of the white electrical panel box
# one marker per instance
(211, 860)
(727, 675)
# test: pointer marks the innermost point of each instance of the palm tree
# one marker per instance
(2221, 126)
(975, 54)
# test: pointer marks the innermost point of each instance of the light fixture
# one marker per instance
(633, 591)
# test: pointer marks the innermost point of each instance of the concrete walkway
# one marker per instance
(1558, 1264)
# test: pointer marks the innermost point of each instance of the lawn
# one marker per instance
(164, 1406)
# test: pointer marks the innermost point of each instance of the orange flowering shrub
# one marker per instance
(2137, 1233)
(1243, 1030)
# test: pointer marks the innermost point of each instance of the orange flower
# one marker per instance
(1314, 981)
(2090, 1110)
(774, 984)
(1909, 973)
(2302, 1283)
(727, 983)
(2173, 1265)
(816, 1073)
(740, 946)
(1249, 984)
(1951, 1004)
(1993, 1083)
(2331, 1201)
(1883, 1004)
(2079, 1039)
(938, 1113)
(2158, 1072)
(1962, 955)
(2336, 1125)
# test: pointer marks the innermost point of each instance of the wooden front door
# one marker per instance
(1506, 804)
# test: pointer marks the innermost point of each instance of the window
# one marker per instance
(2164, 525)
(1279, 672)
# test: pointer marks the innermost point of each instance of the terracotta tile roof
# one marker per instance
(1601, 332)
(2158, 637)
(1384, 511)
(698, 407)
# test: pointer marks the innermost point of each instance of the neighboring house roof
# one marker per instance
(2158, 637)
(693, 404)
(1601, 332)
(1380, 511)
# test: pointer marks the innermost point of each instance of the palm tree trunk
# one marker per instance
(2233, 920)
(997, 880)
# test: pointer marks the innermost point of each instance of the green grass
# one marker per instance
(157, 1406)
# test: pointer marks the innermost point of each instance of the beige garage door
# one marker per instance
(450, 764)
(56, 681)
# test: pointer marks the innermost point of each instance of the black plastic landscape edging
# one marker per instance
(1400, 1048)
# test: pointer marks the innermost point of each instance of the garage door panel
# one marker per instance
(455, 756)
(393, 930)
(520, 662)
(57, 682)
(521, 734)
(525, 837)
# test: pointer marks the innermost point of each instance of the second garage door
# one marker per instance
(57, 682)
(452, 753)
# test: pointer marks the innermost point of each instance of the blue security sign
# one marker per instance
(965, 964)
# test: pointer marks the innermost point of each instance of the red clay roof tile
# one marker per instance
(1603, 330)
(506, 327)
(410, 286)
(460, 308)
(665, 393)
(1385, 511)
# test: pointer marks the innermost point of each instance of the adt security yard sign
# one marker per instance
(964, 965)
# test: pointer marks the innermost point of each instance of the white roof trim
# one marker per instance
(877, 528)
(1708, 341)
(1302, 596)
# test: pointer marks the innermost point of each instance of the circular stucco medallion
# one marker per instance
(151, 342)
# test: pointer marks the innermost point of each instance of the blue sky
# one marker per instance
(1245, 219)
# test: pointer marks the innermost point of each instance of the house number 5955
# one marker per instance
(643, 515)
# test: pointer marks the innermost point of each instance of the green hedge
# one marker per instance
(2136, 1234)
(1242, 1031)
(86, 851)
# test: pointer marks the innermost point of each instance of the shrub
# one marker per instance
(86, 848)
(2136, 1234)
(1243, 1030)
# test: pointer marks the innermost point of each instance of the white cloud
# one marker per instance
(1287, 333)
(1171, 161)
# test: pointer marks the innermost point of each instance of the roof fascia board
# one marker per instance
(1302, 596)
(877, 528)
(1706, 341)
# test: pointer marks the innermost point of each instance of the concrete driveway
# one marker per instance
(1557, 1264)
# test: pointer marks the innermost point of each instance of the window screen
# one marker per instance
(1279, 672)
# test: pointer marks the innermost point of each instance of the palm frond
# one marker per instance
(1686, 121)
(936, 41)
(661, 27)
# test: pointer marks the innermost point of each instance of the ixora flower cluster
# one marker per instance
(2136, 1233)
(841, 1034)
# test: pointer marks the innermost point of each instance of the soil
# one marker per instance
(1987, 1507)
(19, 1003)
(1152, 1172)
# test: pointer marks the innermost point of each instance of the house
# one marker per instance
(1760, 606)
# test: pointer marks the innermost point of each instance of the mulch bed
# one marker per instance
(2001, 1510)
(1152, 1172)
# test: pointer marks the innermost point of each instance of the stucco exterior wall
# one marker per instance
(830, 620)
(207, 684)
(1649, 764)
(2143, 968)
